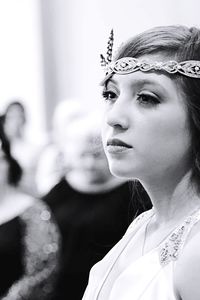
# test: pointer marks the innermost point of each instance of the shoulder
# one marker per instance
(187, 268)
(139, 220)
(39, 217)
(37, 210)
(15, 205)
(24, 200)
(41, 229)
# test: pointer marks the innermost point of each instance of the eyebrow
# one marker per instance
(136, 81)
(139, 82)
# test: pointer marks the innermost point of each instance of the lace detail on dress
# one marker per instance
(170, 249)
(41, 255)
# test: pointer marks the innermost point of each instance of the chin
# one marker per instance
(127, 170)
(120, 172)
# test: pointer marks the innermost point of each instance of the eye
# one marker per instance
(109, 95)
(147, 98)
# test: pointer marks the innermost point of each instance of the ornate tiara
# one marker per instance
(126, 65)
(104, 61)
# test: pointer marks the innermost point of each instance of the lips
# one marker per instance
(117, 146)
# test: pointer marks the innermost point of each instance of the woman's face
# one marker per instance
(14, 121)
(86, 158)
(146, 127)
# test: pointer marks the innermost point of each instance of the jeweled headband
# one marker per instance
(126, 65)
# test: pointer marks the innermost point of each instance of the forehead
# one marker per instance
(155, 80)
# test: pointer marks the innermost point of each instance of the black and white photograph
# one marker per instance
(99, 150)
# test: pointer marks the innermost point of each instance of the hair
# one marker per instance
(87, 128)
(178, 43)
(14, 169)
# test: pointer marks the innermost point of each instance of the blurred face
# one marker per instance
(86, 159)
(14, 121)
(146, 129)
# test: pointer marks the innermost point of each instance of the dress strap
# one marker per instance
(170, 249)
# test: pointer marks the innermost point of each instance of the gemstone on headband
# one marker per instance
(126, 65)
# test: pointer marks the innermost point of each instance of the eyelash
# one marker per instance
(108, 95)
(147, 99)
(142, 97)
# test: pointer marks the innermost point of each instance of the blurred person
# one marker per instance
(29, 238)
(88, 204)
(23, 147)
(15, 120)
(51, 167)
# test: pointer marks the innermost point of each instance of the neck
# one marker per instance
(172, 199)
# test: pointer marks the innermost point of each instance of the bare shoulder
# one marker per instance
(24, 199)
(187, 268)
(22, 202)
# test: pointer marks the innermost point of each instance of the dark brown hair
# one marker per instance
(14, 169)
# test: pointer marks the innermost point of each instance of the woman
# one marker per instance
(151, 134)
(29, 240)
(22, 145)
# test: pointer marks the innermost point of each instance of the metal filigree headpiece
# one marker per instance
(106, 61)
(126, 65)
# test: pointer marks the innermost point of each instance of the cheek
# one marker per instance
(102, 164)
(104, 134)
(70, 157)
(167, 135)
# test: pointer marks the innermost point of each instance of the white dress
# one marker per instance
(150, 277)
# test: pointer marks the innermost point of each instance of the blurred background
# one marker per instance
(50, 48)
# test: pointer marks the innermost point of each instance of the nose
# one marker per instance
(117, 116)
